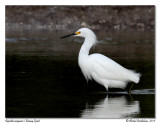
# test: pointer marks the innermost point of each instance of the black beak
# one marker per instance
(67, 36)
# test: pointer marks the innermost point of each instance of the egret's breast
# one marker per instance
(85, 68)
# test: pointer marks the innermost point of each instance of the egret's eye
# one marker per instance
(78, 33)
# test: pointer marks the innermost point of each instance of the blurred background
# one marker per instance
(42, 74)
(75, 17)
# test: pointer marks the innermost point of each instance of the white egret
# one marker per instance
(102, 69)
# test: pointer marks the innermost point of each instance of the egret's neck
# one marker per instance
(84, 51)
(85, 48)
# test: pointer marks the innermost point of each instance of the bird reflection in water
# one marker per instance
(114, 107)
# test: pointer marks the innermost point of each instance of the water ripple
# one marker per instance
(15, 40)
(144, 91)
(140, 91)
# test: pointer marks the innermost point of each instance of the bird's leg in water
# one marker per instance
(107, 89)
(129, 90)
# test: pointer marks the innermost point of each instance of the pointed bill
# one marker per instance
(67, 35)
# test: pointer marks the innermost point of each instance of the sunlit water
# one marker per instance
(43, 78)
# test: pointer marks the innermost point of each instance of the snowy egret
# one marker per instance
(102, 69)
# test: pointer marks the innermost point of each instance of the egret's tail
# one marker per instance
(135, 77)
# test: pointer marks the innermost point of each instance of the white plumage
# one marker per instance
(102, 69)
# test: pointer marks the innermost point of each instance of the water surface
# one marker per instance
(43, 78)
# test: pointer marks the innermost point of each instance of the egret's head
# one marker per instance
(83, 32)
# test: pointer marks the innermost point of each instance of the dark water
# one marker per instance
(43, 78)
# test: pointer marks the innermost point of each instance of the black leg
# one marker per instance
(130, 87)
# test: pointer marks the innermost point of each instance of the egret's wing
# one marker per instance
(107, 68)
